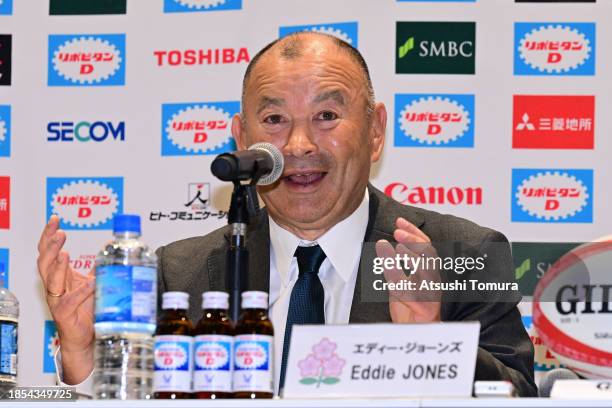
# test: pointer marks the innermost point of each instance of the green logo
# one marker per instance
(75, 7)
(533, 259)
(406, 48)
(435, 47)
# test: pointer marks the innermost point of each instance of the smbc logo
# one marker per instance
(435, 47)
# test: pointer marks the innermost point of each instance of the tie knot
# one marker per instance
(309, 258)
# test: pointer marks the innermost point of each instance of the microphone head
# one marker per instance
(278, 162)
(547, 382)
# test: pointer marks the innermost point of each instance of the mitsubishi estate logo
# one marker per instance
(435, 47)
(186, 6)
(5, 202)
(345, 31)
(553, 122)
(72, 7)
(441, 120)
(554, 48)
(552, 195)
(87, 60)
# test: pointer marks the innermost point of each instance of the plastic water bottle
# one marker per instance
(9, 313)
(126, 304)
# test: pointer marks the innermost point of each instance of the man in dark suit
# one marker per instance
(311, 96)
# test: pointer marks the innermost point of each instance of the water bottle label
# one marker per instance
(213, 363)
(8, 348)
(253, 363)
(173, 363)
(126, 293)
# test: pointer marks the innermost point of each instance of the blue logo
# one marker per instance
(186, 6)
(88, 203)
(5, 130)
(97, 131)
(50, 345)
(197, 128)
(86, 60)
(434, 120)
(552, 195)
(4, 267)
(554, 48)
(345, 31)
(6, 7)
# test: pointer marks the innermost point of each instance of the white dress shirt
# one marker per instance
(338, 274)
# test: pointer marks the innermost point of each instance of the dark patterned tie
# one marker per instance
(306, 305)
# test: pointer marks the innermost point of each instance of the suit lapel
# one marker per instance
(381, 225)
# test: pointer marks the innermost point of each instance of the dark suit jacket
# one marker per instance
(195, 265)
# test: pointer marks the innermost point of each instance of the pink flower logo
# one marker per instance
(322, 366)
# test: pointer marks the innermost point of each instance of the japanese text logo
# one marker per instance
(87, 60)
(85, 203)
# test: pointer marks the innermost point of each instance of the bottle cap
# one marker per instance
(126, 223)
(215, 300)
(254, 299)
(175, 300)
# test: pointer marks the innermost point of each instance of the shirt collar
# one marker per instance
(342, 243)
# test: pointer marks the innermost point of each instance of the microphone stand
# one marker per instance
(244, 205)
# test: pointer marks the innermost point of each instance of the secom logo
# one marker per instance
(554, 48)
(345, 31)
(197, 128)
(95, 131)
(87, 60)
(182, 6)
(5, 130)
(552, 195)
(85, 203)
(436, 120)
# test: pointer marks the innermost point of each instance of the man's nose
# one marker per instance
(300, 141)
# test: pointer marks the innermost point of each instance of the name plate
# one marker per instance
(582, 389)
(382, 360)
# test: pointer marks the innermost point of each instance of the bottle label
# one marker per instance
(173, 363)
(8, 348)
(253, 363)
(126, 293)
(213, 363)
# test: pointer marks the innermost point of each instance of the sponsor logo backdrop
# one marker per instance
(498, 112)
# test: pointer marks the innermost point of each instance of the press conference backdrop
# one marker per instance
(499, 111)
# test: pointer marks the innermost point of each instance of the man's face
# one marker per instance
(313, 108)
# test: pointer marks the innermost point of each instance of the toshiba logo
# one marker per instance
(434, 195)
(210, 56)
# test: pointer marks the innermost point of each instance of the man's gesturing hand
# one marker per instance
(408, 306)
(70, 297)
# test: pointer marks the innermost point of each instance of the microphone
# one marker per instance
(262, 162)
(548, 380)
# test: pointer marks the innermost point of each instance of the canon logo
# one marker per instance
(434, 195)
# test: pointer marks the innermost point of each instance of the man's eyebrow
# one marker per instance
(266, 101)
(336, 95)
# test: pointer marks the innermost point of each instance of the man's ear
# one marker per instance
(378, 128)
(238, 132)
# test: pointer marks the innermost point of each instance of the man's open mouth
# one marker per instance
(304, 179)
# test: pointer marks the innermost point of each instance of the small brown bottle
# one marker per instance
(253, 348)
(173, 349)
(213, 351)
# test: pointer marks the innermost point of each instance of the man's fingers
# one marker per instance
(50, 252)
(50, 228)
(69, 303)
(403, 225)
(56, 278)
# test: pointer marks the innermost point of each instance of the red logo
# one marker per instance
(434, 195)
(211, 56)
(5, 202)
(553, 122)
